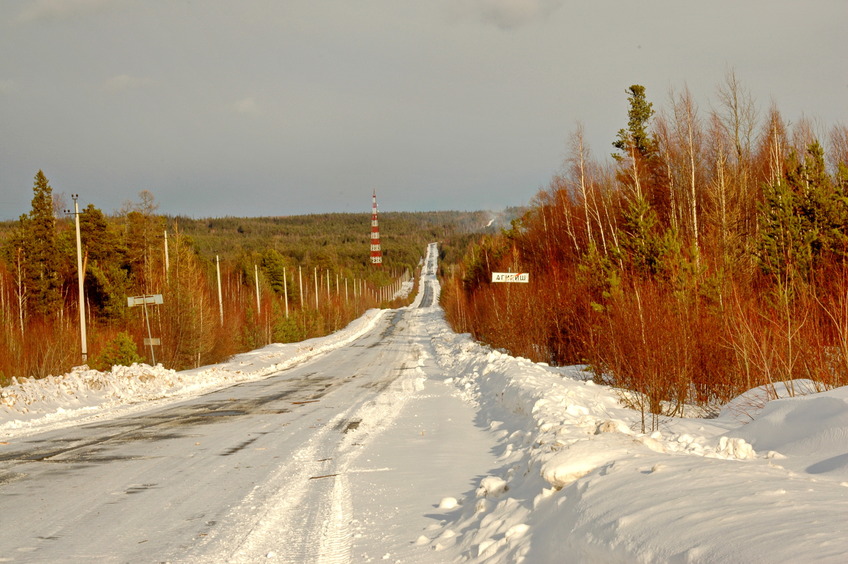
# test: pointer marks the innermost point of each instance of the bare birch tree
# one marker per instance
(739, 115)
(689, 136)
(838, 148)
(578, 161)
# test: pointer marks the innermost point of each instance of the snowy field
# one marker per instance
(574, 479)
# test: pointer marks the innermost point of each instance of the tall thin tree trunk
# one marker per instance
(21, 291)
(580, 148)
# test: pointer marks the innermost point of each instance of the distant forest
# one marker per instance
(707, 257)
(270, 269)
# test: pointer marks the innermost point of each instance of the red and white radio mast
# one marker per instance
(376, 251)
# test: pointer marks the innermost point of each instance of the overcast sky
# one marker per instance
(280, 107)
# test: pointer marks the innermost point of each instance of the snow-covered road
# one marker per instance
(278, 468)
(397, 440)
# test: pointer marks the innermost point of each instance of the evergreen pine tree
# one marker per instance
(640, 240)
(273, 264)
(107, 272)
(641, 168)
(823, 206)
(120, 351)
(37, 239)
(636, 134)
(803, 218)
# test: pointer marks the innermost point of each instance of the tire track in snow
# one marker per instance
(278, 521)
(289, 528)
(336, 539)
(304, 512)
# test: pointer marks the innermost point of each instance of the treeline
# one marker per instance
(707, 257)
(227, 285)
(332, 238)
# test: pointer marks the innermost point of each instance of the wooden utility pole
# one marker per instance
(220, 297)
(80, 278)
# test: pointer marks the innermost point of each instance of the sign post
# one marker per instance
(153, 299)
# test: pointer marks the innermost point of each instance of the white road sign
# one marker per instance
(149, 299)
(523, 277)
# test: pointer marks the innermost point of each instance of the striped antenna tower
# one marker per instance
(376, 251)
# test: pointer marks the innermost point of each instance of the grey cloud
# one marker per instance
(122, 82)
(248, 106)
(39, 10)
(511, 14)
(7, 86)
(297, 106)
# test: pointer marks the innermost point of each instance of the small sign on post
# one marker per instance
(522, 277)
(148, 299)
(144, 301)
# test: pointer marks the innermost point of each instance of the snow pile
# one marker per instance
(34, 405)
(810, 433)
(404, 291)
(579, 482)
